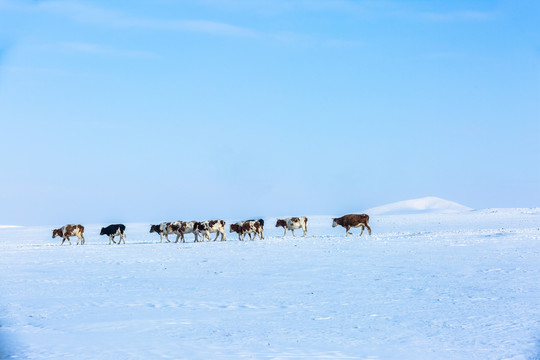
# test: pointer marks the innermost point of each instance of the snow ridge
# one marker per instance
(429, 204)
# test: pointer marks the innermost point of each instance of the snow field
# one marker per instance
(430, 286)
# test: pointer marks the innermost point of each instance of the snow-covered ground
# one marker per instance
(425, 286)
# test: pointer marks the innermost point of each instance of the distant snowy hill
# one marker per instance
(428, 204)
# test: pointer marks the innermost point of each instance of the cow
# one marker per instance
(237, 228)
(255, 227)
(181, 227)
(211, 226)
(114, 230)
(293, 223)
(70, 230)
(353, 220)
(161, 229)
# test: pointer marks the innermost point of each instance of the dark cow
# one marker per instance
(237, 228)
(70, 230)
(293, 223)
(353, 220)
(114, 230)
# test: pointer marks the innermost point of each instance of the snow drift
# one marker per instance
(430, 204)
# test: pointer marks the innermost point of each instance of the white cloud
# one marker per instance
(90, 14)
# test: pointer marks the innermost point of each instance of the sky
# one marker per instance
(197, 109)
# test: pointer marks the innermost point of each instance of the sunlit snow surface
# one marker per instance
(429, 286)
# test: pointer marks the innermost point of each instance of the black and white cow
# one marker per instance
(293, 223)
(211, 226)
(114, 230)
(161, 229)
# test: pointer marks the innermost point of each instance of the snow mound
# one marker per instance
(430, 204)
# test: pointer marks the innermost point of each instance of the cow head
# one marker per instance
(154, 228)
(234, 228)
(281, 222)
(56, 232)
(102, 232)
(334, 223)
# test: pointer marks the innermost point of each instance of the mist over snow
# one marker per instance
(429, 204)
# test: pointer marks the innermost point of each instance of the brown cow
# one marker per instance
(353, 220)
(70, 230)
(237, 228)
(249, 227)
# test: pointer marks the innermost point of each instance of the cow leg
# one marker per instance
(347, 228)
(361, 232)
(62, 243)
(292, 230)
(285, 233)
(369, 229)
(69, 241)
(123, 238)
(167, 237)
(223, 238)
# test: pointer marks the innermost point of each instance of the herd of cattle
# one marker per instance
(202, 230)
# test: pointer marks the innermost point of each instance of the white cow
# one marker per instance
(293, 223)
(211, 226)
(180, 228)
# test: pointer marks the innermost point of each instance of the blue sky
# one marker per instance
(163, 110)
